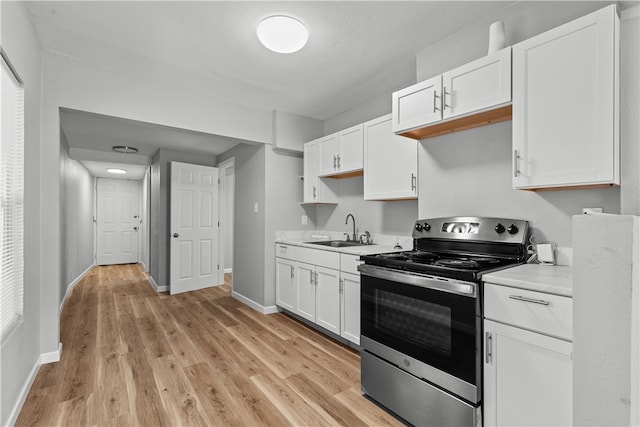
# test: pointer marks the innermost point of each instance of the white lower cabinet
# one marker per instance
(527, 373)
(328, 299)
(320, 286)
(306, 283)
(350, 307)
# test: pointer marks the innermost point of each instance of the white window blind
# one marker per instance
(11, 197)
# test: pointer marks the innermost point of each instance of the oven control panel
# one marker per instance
(472, 228)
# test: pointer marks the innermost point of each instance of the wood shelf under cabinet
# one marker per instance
(484, 118)
(346, 175)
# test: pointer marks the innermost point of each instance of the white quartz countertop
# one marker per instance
(354, 250)
(551, 279)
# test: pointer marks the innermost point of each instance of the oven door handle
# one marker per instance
(467, 289)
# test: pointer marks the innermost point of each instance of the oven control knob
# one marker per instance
(418, 227)
(499, 228)
(512, 229)
(426, 227)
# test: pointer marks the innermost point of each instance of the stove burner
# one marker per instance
(466, 262)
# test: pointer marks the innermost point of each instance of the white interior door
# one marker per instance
(118, 221)
(194, 227)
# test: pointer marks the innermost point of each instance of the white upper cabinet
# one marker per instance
(477, 85)
(565, 105)
(316, 190)
(390, 162)
(429, 108)
(341, 153)
(417, 105)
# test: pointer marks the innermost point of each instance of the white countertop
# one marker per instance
(551, 279)
(354, 250)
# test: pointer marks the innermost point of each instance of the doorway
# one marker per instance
(227, 206)
(117, 221)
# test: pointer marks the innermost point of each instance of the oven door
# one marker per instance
(428, 326)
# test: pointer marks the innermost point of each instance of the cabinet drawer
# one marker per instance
(285, 251)
(544, 313)
(349, 263)
(319, 257)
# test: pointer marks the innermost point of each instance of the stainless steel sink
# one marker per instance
(337, 243)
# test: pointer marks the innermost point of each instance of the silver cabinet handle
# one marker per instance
(338, 161)
(487, 345)
(310, 277)
(316, 280)
(531, 300)
(341, 288)
(413, 182)
(335, 161)
(283, 247)
(444, 98)
(515, 163)
(435, 96)
(315, 192)
(292, 272)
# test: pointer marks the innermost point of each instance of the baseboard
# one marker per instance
(52, 356)
(156, 287)
(73, 284)
(228, 270)
(22, 397)
(259, 308)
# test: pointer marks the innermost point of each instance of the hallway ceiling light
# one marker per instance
(282, 34)
(125, 149)
(116, 170)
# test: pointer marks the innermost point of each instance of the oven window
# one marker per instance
(438, 328)
(422, 323)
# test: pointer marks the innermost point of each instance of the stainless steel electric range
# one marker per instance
(421, 317)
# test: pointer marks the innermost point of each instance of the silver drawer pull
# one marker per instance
(525, 299)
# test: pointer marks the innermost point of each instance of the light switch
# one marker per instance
(255, 207)
(304, 220)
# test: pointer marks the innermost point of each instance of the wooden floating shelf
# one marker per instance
(572, 187)
(485, 118)
(345, 175)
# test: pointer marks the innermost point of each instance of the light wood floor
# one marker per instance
(132, 357)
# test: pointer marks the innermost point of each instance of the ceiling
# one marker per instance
(355, 50)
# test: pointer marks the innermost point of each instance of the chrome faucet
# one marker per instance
(346, 221)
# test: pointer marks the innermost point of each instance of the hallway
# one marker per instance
(135, 357)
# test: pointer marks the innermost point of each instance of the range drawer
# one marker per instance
(285, 251)
(320, 257)
(349, 263)
(537, 311)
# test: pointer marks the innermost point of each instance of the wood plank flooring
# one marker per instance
(132, 357)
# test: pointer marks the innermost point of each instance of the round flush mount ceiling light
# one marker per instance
(116, 170)
(282, 34)
(124, 149)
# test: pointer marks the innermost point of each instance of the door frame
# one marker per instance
(224, 221)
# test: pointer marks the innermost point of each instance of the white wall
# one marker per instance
(144, 215)
(77, 197)
(20, 352)
(393, 218)
(469, 173)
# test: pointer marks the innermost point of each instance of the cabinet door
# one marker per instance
(328, 151)
(390, 162)
(527, 378)
(306, 287)
(328, 299)
(417, 105)
(350, 307)
(565, 105)
(310, 164)
(286, 286)
(351, 145)
(478, 85)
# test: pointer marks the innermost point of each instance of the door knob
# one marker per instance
(176, 235)
(135, 228)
